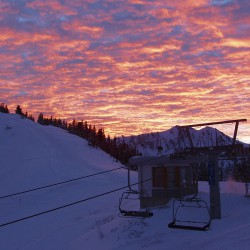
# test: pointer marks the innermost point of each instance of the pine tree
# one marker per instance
(4, 109)
(40, 119)
(19, 110)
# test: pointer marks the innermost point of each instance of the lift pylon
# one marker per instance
(213, 153)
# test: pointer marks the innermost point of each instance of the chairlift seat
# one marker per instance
(192, 224)
(174, 224)
(132, 213)
(142, 214)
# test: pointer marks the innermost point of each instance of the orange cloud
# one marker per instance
(132, 67)
(237, 43)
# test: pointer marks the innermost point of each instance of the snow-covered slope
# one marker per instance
(32, 155)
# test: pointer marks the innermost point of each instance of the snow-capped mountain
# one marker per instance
(176, 140)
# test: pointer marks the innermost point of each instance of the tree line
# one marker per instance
(116, 147)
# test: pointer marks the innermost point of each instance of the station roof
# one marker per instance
(149, 160)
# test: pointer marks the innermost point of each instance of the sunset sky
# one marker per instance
(130, 66)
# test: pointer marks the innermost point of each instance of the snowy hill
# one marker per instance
(32, 156)
(175, 140)
(43, 154)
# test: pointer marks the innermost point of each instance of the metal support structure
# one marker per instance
(213, 168)
(247, 189)
(189, 137)
(214, 123)
(235, 132)
(213, 171)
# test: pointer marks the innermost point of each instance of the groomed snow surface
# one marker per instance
(32, 156)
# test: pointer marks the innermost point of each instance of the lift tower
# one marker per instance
(213, 169)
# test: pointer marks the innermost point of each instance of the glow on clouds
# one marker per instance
(130, 66)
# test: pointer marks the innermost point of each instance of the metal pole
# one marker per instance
(215, 204)
(235, 132)
(189, 137)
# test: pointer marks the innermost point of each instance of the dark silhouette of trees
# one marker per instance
(116, 147)
(29, 116)
(4, 108)
(51, 121)
(19, 110)
(40, 119)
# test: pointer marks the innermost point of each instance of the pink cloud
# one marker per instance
(131, 66)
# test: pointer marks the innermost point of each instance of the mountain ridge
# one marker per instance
(175, 140)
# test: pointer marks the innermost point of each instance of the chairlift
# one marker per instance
(132, 194)
(191, 220)
(188, 211)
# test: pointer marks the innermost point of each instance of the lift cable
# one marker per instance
(70, 204)
(58, 183)
(74, 203)
(63, 182)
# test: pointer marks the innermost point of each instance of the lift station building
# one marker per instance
(161, 178)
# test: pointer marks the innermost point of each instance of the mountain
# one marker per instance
(176, 140)
(83, 214)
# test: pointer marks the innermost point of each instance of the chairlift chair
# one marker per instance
(128, 195)
(188, 210)
(132, 194)
(193, 204)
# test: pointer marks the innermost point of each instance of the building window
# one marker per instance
(174, 177)
(159, 177)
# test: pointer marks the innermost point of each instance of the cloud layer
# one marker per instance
(132, 66)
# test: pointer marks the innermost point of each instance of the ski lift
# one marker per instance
(187, 213)
(132, 194)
